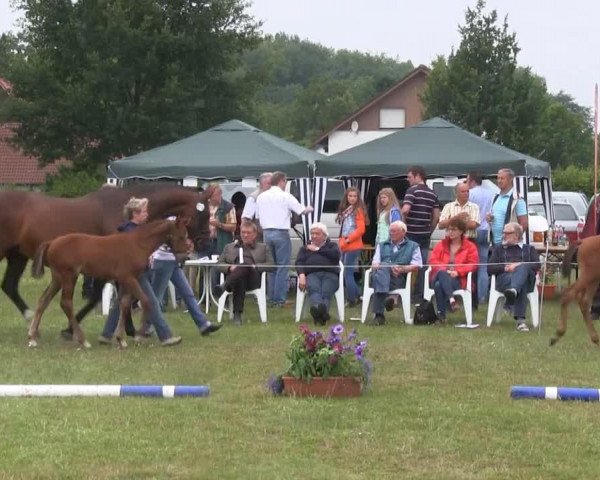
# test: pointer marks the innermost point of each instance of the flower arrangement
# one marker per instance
(312, 354)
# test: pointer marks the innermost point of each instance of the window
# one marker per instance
(392, 118)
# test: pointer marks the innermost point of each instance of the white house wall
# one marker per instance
(343, 140)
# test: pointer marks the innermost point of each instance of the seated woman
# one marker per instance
(451, 261)
(318, 270)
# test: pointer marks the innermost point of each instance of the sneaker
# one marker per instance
(102, 340)
(389, 304)
(511, 296)
(522, 326)
(378, 320)
(171, 341)
(210, 328)
(453, 304)
(237, 319)
(323, 313)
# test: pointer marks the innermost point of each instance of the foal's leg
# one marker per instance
(66, 302)
(43, 302)
(133, 287)
(585, 302)
(124, 310)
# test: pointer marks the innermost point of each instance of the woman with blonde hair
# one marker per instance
(388, 211)
(352, 217)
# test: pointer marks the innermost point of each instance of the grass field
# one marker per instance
(439, 405)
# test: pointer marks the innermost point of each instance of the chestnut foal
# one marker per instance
(584, 288)
(121, 257)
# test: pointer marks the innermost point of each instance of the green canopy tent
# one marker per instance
(442, 149)
(232, 150)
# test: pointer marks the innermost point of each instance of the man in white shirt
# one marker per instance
(264, 183)
(273, 210)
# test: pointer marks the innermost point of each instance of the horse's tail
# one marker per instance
(565, 267)
(37, 267)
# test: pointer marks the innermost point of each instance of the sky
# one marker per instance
(559, 40)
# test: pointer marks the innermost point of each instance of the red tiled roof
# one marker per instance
(17, 168)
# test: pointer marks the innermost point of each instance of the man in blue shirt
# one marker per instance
(507, 207)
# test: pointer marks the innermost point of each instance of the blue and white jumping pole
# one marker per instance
(162, 391)
(556, 393)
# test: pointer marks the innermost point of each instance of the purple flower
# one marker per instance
(337, 329)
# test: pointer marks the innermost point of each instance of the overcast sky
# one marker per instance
(559, 40)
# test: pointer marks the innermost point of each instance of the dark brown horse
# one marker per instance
(29, 219)
(584, 287)
(121, 257)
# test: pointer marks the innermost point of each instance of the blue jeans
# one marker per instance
(280, 244)
(383, 282)
(321, 286)
(350, 261)
(443, 286)
(165, 270)
(523, 281)
(483, 278)
(154, 315)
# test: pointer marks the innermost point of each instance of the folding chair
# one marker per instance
(404, 294)
(261, 298)
(109, 291)
(339, 298)
(495, 296)
(466, 295)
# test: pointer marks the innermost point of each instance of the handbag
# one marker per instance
(425, 313)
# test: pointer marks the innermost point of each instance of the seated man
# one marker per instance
(245, 262)
(318, 270)
(392, 260)
(515, 265)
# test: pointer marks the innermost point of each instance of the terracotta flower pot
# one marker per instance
(322, 387)
(548, 292)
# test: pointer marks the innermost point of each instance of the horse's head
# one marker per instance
(178, 236)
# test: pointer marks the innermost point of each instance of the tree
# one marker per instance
(106, 78)
(474, 87)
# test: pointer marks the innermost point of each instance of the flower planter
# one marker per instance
(548, 292)
(322, 387)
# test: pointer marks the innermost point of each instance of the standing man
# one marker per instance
(421, 213)
(461, 208)
(506, 207)
(273, 209)
(243, 269)
(264, 183)
(483, 198)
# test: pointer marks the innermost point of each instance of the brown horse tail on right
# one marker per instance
(37, 267)
(565, 266)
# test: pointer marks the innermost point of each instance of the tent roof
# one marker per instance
(440, 147)
(230, 150)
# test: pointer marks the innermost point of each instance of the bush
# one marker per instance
(73, 183)
(573, 178)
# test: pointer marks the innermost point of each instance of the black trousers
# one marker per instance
(239, 282)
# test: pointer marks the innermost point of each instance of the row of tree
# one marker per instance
(96, 80)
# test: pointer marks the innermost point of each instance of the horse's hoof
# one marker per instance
(87, 344)
(122, 344)
(32, 343)
(28, 315)
(66, 334)
(138, 339)
(553, 341)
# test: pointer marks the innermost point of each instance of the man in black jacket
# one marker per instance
(318, 270)
(515, 265)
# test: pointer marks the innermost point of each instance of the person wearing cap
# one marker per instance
(318, 270)
(392, 260)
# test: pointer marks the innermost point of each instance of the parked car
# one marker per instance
(565, 215)
(577, 199)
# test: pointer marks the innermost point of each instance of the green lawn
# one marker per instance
(438, 408)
